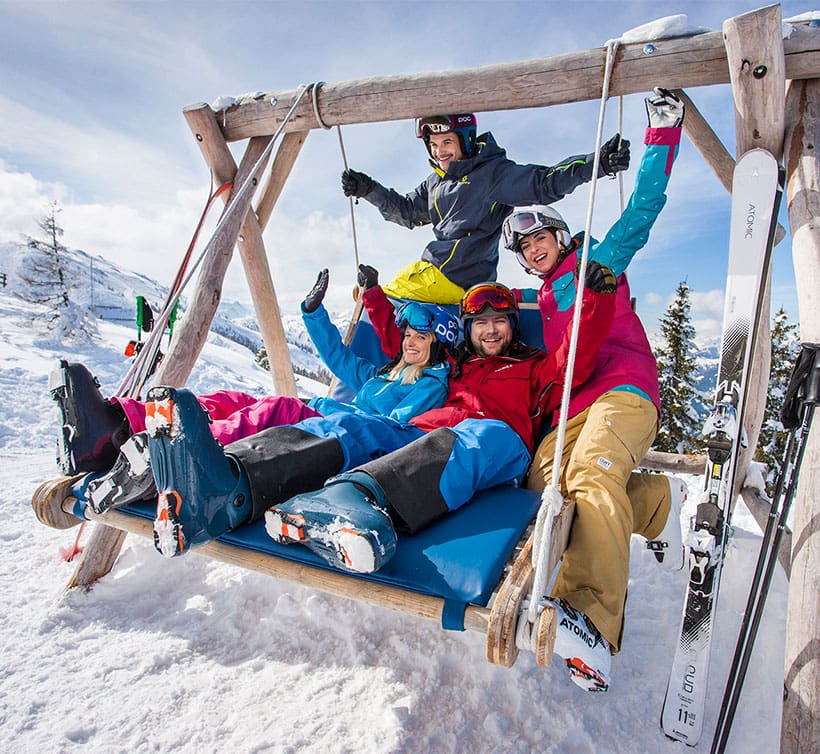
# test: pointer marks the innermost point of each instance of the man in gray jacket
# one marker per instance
(472, 188)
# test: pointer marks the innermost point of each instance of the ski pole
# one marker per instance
(767, 558)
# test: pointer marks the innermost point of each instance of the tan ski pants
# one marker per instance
(603, 444)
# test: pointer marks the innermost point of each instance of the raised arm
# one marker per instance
(346, 365)
(631, 232)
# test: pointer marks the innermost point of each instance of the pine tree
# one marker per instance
(680, 423)
(49, 284)
(772, 440)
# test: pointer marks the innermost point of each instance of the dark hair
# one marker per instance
(438, 354)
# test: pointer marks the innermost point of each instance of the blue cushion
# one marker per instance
(460, 558)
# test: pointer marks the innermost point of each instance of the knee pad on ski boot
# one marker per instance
(129, 480)
(201, 491)
(345, 523)
(92, 428)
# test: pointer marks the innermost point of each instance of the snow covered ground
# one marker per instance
(190, 655)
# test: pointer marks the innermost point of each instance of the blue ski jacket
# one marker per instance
(375, 394)
(467, 205)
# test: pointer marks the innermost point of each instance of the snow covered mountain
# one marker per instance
(191, 655)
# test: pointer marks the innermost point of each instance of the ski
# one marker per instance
(756, 192)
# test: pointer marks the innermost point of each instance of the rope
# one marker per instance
(552, 499)
(314, 98)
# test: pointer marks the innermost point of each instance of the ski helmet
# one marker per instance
(524, 221)
(429, 318)
(461, 124)
(493, 296)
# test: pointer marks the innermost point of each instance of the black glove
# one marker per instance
(599, 278)
(356, 184)
(317, 293)
(664, 110)
(614, 156)
(368, 277)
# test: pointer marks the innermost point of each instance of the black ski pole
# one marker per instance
(806, 390)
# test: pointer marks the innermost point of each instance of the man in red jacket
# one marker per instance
(500, 392)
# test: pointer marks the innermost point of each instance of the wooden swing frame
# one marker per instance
(776, 90)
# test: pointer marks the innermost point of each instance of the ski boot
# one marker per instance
(582, 648)
(667, 547)
(50, 500)
(202, 492)
(345, 523)
(129, 480)
(92, 428)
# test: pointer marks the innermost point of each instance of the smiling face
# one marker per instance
(540, 250)
(491, 334)
(445, 148)
(415, 346)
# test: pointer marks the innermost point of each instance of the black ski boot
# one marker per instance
(93, 429)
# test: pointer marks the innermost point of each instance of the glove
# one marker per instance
(317, 293)
(664, 110)
(614, 156)
(368, 277)
(356, 184)
(599, 278)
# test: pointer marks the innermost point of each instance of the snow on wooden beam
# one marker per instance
(698, 60)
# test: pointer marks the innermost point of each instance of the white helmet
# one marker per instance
(524, 221)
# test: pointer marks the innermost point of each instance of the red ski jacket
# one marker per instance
(522, 388)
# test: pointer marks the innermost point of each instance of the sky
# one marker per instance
(189, 655)
(93, 92)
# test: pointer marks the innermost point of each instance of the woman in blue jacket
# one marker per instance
(273, 465)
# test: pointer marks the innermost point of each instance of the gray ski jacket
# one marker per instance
(467, 205)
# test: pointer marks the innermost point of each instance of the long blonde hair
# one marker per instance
(410, 373)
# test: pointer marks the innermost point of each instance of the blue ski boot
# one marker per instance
(202, 492)
(92, 428)
(345, 523)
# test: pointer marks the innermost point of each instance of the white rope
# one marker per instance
(552, 499)
(344, 160)
(621, 132)
(138, 369)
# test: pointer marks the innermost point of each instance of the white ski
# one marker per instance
(756, 192)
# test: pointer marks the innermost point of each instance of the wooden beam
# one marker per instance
(202, 123)
(476, 617)
(800, 729)
(706, 141)
(279, 171)
(698, 60)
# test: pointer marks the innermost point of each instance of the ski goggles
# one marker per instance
(526, 223)
(442, 124)
(419, 317)
(484, 295)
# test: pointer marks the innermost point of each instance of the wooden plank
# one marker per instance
(573, 77)
(332, 582)
(800, 729)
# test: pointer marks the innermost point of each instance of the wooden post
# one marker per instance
(754, 49)
(218, 157)
(800, 729)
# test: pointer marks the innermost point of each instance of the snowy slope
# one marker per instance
(190, 655)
